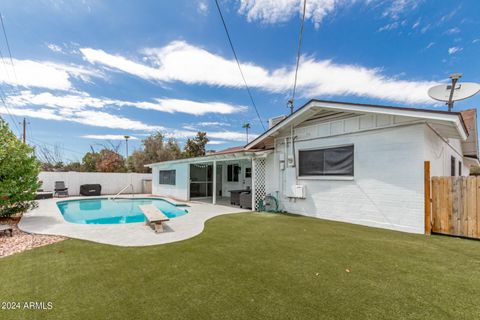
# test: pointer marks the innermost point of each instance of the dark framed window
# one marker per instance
(460, 168)
(248, 172)
(326, 162)
(167, 177)
(232, 172)
(452, 166)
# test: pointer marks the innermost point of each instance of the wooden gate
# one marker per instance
(456, 206)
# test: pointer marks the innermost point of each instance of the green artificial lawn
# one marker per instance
(253, 266)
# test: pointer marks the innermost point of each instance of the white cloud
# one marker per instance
(398, 7)
(454, 50)
(476, 40)
(202, 7)
(87, 110)
(426, 28)
(416, 24)
(55, 48)
(278, 11)
(102, 119)
(49, 75)
(180, 61)
(216, 142)
(187, 106)
(107, 137)
(431, 44)
(389, 27)
(86, 117)
(452, 31)
(82, 100)
(268, 11)
(213, 124)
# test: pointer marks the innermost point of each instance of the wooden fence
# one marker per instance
(455, 207)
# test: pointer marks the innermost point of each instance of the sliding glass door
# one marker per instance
(201, 180)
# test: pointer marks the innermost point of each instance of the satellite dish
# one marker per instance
(461, 91)
(454, 91)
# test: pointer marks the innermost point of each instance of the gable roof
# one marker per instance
(453, 118)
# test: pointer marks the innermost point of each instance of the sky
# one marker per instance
(86, 73)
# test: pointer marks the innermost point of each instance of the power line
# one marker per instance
(12, 117)
(238, 64)
(33, 140)
(8, 46)
(292, 100)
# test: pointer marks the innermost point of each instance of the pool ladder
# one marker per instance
(125, 188)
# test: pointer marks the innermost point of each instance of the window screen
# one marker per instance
(248, 172)
(326, 162)
(167, 177)
(460, 168)
(452, 166)
(232, 172)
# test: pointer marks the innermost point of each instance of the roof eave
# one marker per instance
(453, 117)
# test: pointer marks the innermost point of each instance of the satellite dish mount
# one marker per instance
(454, 77)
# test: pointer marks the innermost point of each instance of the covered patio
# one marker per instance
(232, 177)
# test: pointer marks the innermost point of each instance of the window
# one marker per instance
(232, 172)
(460, 168)
(326, 162)
(452, 166)
(167, 177)
(248, 172)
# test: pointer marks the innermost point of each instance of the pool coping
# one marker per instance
(47, 219)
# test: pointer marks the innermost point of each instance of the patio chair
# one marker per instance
(60, 189)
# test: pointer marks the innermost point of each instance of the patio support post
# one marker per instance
(214, 195)
(253, 184)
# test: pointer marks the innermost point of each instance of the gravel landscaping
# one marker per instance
(22, 241)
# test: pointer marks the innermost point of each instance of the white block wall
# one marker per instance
(182, 177)
(387, 188)
(439, 153)
(111, 183)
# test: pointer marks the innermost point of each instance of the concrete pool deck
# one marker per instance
(47, 219)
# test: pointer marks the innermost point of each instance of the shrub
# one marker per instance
(19, 170)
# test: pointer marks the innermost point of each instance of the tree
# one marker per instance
(110, 161)
(50, 158)
(155, 149)
(73, 166)
(196, 147)
(246, 126)
(19, 170)
(89, 161)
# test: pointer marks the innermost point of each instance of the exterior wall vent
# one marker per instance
(275, 120)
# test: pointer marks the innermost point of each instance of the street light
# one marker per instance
(126, 145)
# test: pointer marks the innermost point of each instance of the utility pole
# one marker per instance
(126, 145)
(24, 125)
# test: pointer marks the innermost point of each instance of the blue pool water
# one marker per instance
(106, 211)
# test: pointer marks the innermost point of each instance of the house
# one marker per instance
(349, 162)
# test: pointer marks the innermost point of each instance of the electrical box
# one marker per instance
(298, 191)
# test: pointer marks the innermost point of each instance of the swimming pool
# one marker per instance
(117, 211)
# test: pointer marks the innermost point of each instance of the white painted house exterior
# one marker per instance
(377, 151)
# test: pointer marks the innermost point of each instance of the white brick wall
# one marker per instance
(387, 189)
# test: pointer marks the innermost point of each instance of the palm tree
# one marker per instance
(246, 126)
